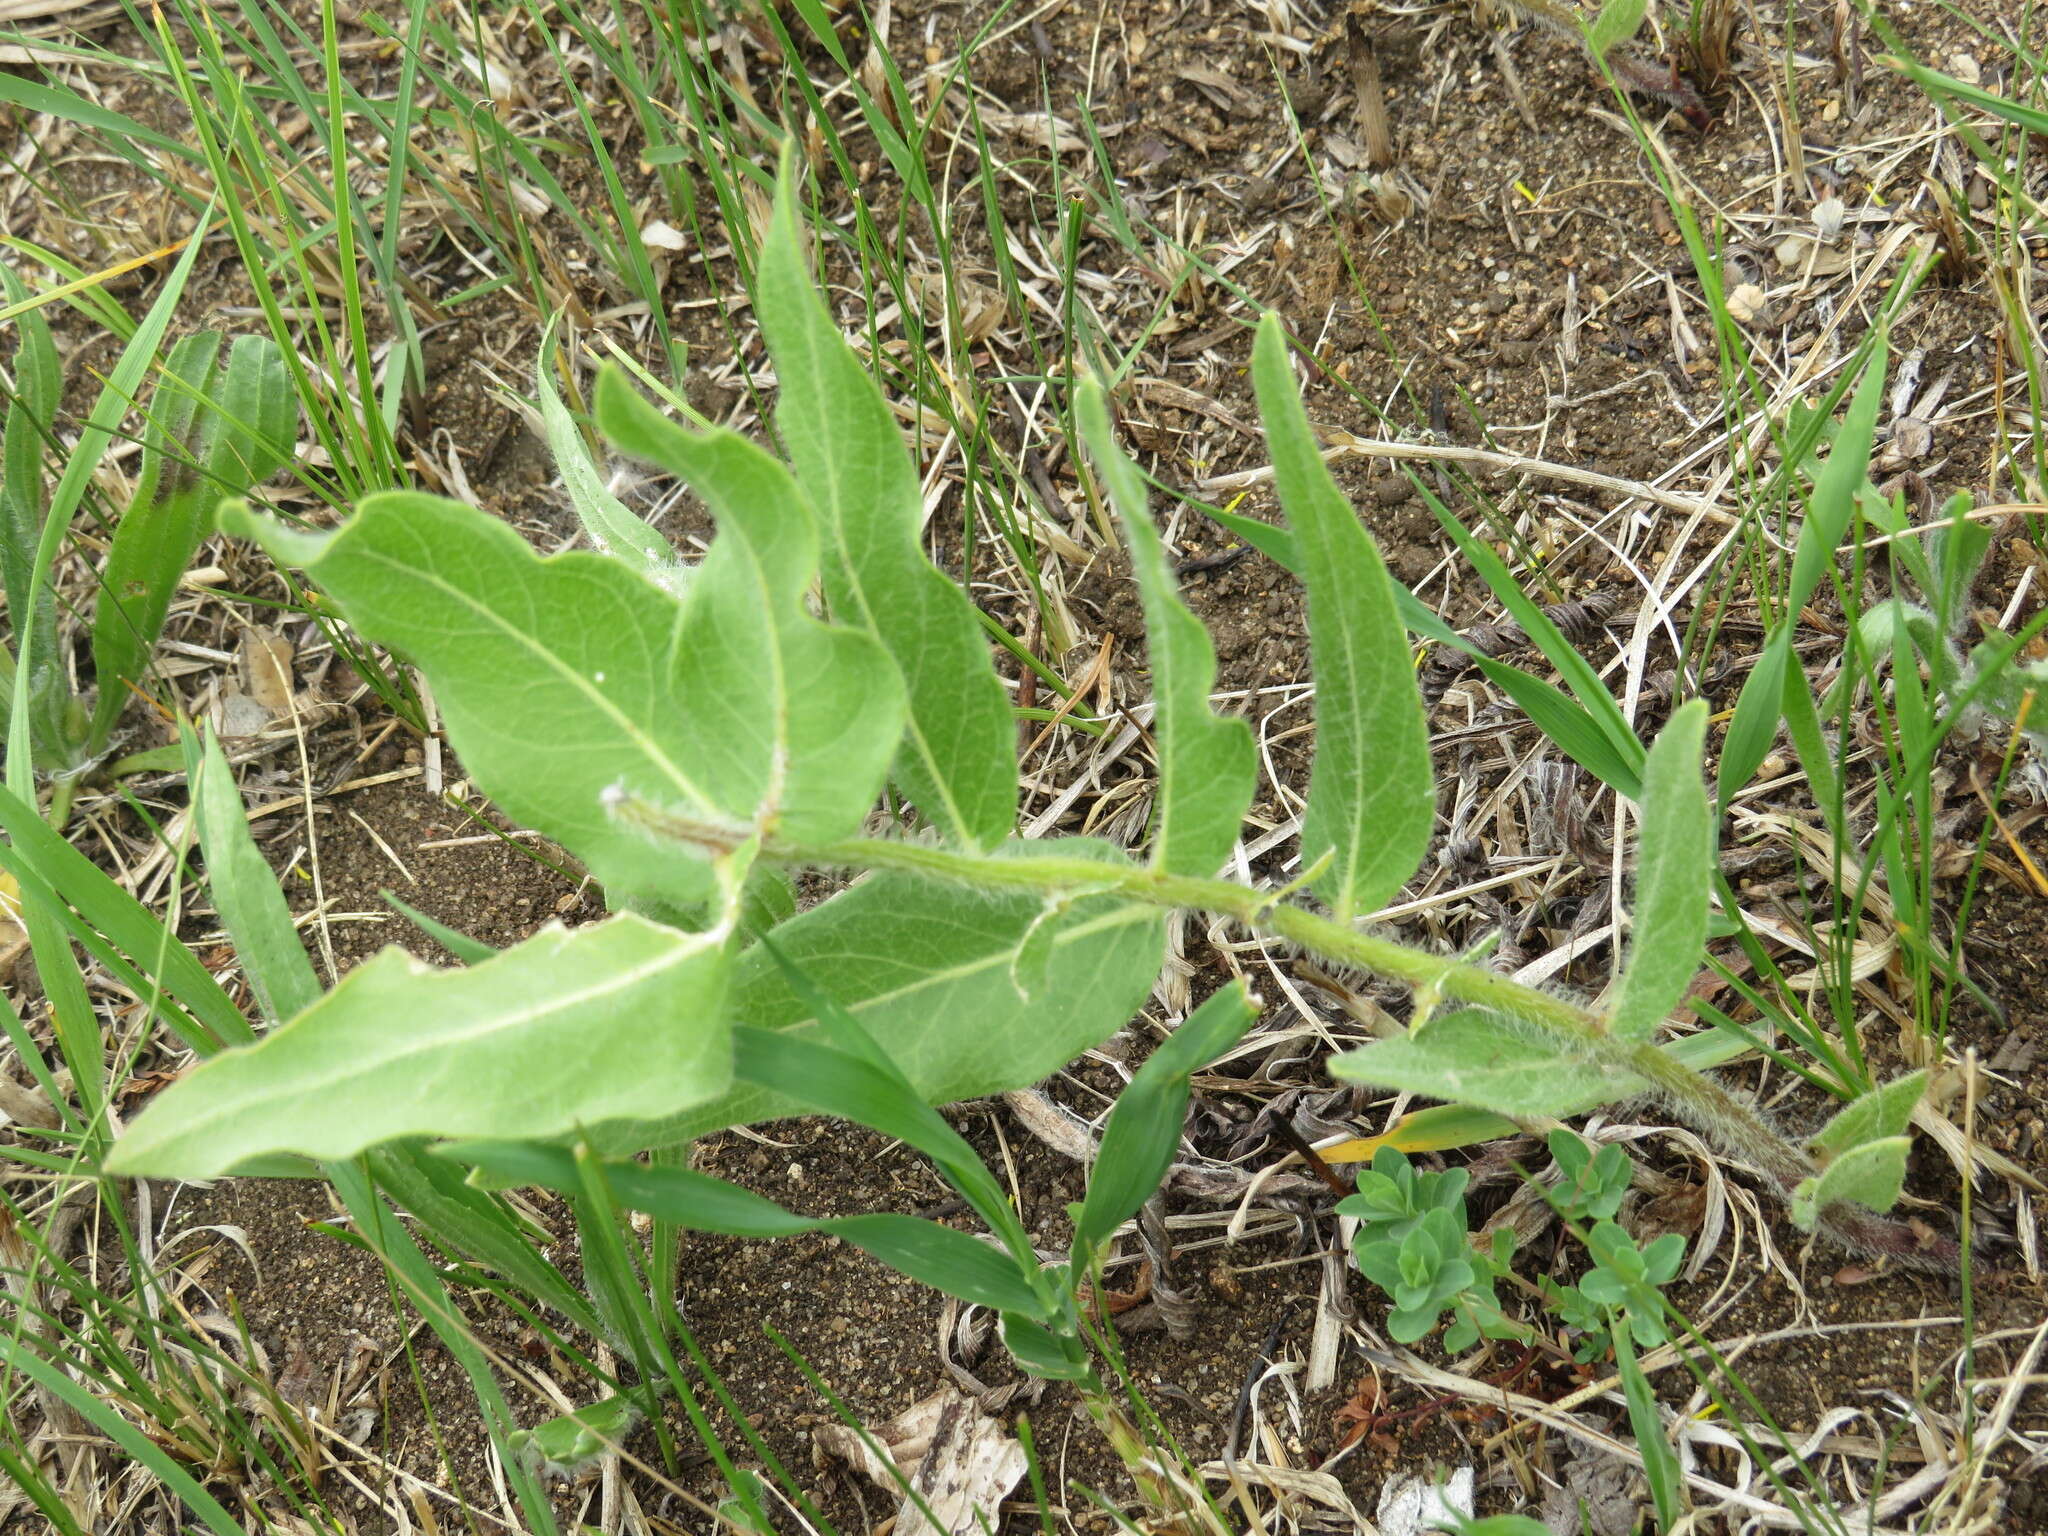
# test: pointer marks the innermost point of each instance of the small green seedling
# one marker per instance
(1592, 1184)
(1414, 1243)
(1624, 1279)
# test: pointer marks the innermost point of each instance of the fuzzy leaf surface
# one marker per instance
(1474, 1058)
(612, 526)
(623, 1019)
(912, 960)
(1881, 1113)
(822, 702)
(1674, 879)
(572, 685)
(1872, 1173)
(958, 761)
(1208, 767)
(1371, 798)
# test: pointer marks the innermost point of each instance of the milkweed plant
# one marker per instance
(697, 739)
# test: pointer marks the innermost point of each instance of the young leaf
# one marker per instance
(37, 389)
(612, 528)
(1617, 22)
(1674, 879)
(1761, 702)
(1598, 705)
(1472, 1057)
(1881, 1113)
(1757, 711)
(832, 1081)
(245, 890)
(1959, 545)
(1144, 1129)
(1835, 487)
(1870, 1173)
(1371, 798)
(459, 944)
(1035, 1348)
(570, 1443)
(624, 1019)
(82, 461)
(1208, 767)
(1660, 1462)
(959, 761)
(833, 697)
(909, 959)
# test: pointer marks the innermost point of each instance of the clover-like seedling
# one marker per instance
(1414, 1243)
(1625, 1279)
(1393, 1197)
(1593, 1183)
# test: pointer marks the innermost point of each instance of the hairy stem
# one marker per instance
(1732, 1123)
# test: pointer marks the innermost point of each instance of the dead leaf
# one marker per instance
(267, 669)
(960, 1461)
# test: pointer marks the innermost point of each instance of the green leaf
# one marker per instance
(99, 1411)
(1035, 1348)
(958, 763)
(1674, 879)
(1477, 1058)
(1959, 545)
(1580, 675)
(82, 461)
(217, 425)
(1835, 488)
(1758, 707)
(36, 378)
(1618, 21)
(1660, 1462)
(832, 696)
(952, 1261)
(245, 890)
(1144, 1129)
(569, 1443)
(1208, 767)
(1573, 729)
(115, 928)
(1881, 1113)
(1276, 544)
(910, 959)
(834, 1081)
(1371, 798)
(1870, 1173)
(459, 944)
(624, 1019)
(612, 528)
(470, 1224)
(647, 735)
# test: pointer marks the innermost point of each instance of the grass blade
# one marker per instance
(1144, 1129)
